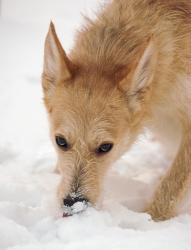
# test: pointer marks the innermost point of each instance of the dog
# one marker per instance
(129, 68)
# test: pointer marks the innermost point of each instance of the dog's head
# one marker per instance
(93, 115)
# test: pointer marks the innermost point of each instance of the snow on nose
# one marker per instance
(74, 204)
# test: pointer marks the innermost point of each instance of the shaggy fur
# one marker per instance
(129, 68)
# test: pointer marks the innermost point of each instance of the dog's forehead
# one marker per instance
(87, 112)
(89, 107)
(90, 95)
(79, 114)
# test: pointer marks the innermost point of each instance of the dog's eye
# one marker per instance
(61, 142)
(104, 148)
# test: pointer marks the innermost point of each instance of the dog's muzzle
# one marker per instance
(69, 201)
(74, 204)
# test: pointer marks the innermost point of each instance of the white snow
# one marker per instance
(29, 214)
(76, 208)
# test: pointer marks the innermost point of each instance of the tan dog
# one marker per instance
(129, 68)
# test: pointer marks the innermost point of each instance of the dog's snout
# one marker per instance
(70, 201)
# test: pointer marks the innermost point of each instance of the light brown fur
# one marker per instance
(129, 68)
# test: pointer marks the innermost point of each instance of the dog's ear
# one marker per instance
(140, 74)
(57, 66)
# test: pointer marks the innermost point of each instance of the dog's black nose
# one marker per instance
(70, 201)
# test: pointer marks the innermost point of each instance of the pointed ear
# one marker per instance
(56, 64)
(141, 73)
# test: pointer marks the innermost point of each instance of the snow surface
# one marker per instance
(29, 214)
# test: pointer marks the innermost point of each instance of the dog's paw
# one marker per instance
(159, 214)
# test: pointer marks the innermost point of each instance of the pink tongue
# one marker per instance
(66, 215)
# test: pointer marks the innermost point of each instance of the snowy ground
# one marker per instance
(29, 216)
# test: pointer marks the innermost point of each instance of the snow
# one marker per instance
(76, 208)
(29, 215)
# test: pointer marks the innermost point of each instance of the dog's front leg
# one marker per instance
(173, 186)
